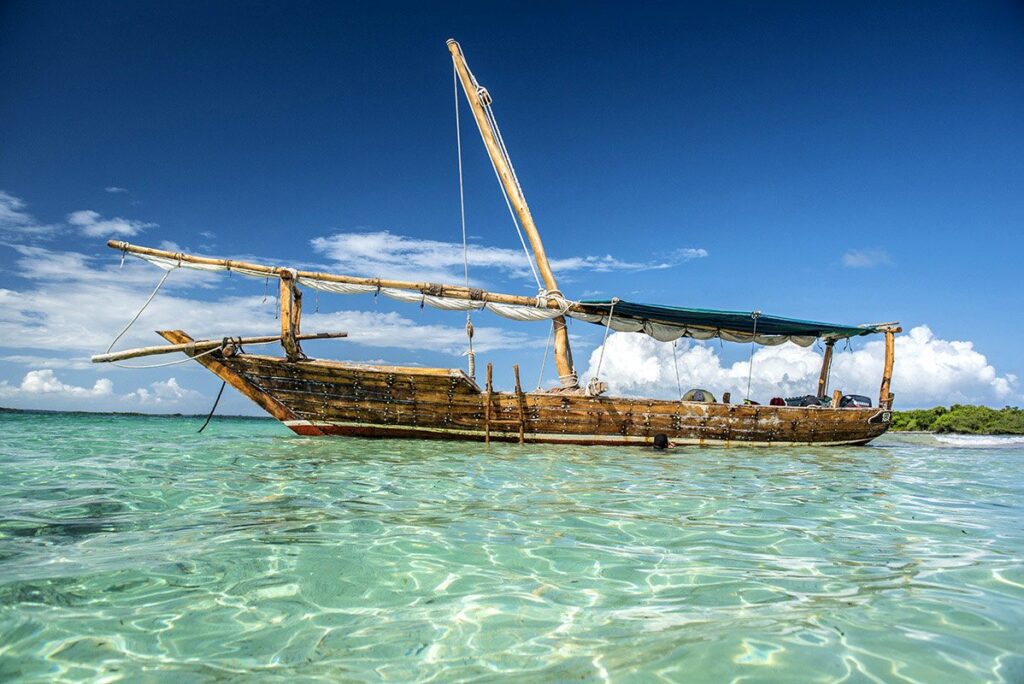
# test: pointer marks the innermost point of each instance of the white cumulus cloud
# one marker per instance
(93, 225)
(45, 381)
(929, 371)
(163, 392)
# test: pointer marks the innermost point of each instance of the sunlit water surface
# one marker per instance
(135, 549)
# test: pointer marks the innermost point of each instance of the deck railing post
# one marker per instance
(520, 404)
(487, 404)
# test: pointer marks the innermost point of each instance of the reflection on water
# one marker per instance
(132, 548)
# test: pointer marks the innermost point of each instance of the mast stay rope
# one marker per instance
(492, 122)
(470, 354)
(750, 362)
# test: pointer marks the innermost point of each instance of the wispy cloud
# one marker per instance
(171, 246)
(35, 361)
(113, 189)
(16, 223)
(48, 266)
(93, 225)
(866, 258)
(377, 253)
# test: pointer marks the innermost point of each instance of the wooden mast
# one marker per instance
(476, 95)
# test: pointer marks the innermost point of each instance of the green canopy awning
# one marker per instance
(668, 323)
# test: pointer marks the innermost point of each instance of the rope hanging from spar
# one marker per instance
(135, 318)
(544, 359)
(675, 362)
(750, 362)
(593, 387)
(139, 312)
(462, 214)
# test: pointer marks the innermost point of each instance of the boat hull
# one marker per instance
(320, 398)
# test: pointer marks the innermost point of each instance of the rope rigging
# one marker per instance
(675, 362)
(492, 123)
(138, 313)
(544, 359)
(750, 362)
(471, 355)
(594, 386)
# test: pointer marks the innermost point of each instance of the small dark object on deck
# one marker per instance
(806, 400)
(855, 401)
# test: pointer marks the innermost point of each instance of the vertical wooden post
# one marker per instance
(884, 400)
(291, 313)
(836, 396)
(519, 401)
(487, 405)
(296, 310)
(826, 366)
(475, 94)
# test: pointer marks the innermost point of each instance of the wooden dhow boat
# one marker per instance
(317, 397)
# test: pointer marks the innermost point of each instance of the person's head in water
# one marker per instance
(661, 441)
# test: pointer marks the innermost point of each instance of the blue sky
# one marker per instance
(854, 162)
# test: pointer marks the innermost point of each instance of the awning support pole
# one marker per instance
(826, 368)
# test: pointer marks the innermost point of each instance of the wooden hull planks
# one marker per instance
(314, 397)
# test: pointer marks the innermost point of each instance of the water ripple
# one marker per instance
(131, 548)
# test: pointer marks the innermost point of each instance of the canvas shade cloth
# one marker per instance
(668, 323)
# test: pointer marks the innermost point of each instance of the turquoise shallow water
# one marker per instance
(134, 549)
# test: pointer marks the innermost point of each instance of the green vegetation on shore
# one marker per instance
(968, 420)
